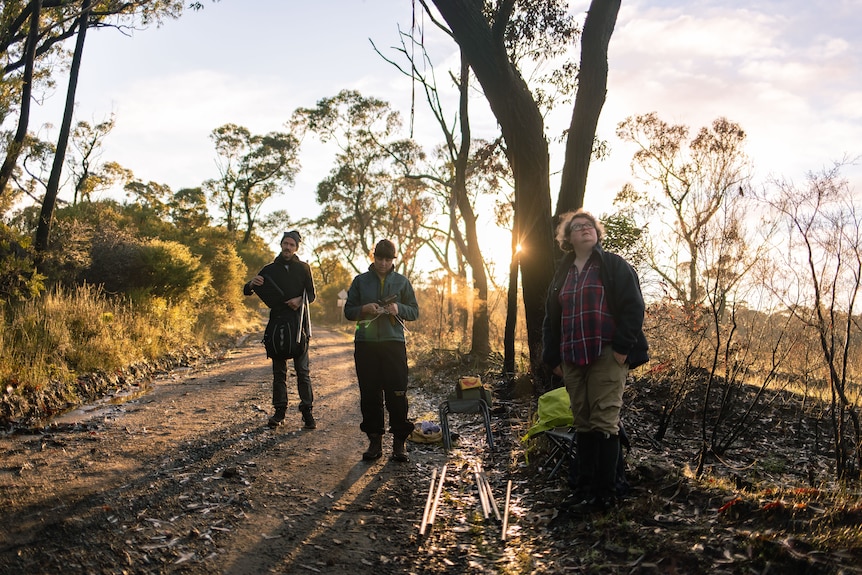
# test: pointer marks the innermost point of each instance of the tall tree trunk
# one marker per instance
(43, 231)
(481, 332)
(17, 143)
(592, 89)
(522, 127)
(511, 314)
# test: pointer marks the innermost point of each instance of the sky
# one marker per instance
(788, 71)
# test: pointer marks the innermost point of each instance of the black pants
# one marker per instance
(381, 368)
(303, 382)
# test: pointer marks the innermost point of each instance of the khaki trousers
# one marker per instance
(596, 393)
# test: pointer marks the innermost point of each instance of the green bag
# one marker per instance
(555, 410)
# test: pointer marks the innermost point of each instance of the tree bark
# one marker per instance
(522, 127)
(511, 317)
(43, 231)
(480, 337)
(17, 143)
(592, 89)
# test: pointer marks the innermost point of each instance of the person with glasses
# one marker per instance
(592, 336)
(380, 301)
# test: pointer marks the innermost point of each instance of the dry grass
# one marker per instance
(50, 342)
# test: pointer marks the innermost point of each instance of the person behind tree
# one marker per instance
(380, 301)
(295, 289)
(592, 336)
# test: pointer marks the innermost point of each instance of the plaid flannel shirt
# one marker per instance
(587, 323)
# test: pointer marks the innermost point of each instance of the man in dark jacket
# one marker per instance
(287, 288)
(592, 336)
(380, 301)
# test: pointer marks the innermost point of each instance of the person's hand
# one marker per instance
(372, 309)
(257, 281)
(558, 371)
(294, 303)
(620, 357)
(391, 309)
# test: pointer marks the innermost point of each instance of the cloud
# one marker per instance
(792, 91)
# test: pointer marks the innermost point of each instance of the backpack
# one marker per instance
(280, 337)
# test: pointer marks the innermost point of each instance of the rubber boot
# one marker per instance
(582, 470)
(375, 447)
(277, 417)
(605, 481)
(399, 449)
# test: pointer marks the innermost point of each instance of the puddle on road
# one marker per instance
(108, 405)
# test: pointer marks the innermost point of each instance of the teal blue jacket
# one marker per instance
(367, 288)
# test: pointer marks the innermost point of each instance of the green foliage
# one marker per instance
(18, 276)
(623, 237)
(255, 253)
(188, 210)
(330, 277)
(223, 307)
(142, 268)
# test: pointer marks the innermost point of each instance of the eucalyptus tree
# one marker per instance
(366, 195)
(88, 172)
(58, 21)
(188, 209)
(152, 197)
(43, 231)
(460, 171)
(252, 169)
(686, 184)
(497, 39)
(32, 37)
(15, 145)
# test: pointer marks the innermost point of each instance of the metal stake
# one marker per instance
(428, 503)
(506, 514)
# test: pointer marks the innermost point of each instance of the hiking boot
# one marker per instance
(399, 450)
(375, 447)
(308, 420)
(277, 417)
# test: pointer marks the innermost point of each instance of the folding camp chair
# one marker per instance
(464, 406)
(562, 441)
(564, 450)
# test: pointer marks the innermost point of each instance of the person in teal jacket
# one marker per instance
(380, 301)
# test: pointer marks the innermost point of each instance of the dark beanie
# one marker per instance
(384, 249)
(292, 234)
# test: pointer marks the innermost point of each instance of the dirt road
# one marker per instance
(187, 478)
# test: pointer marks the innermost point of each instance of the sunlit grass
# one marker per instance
(50, 341)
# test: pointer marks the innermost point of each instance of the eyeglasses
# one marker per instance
(579, 227)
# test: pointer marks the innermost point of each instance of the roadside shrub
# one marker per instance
(140, 269)
(18, 277)
(222, 309)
